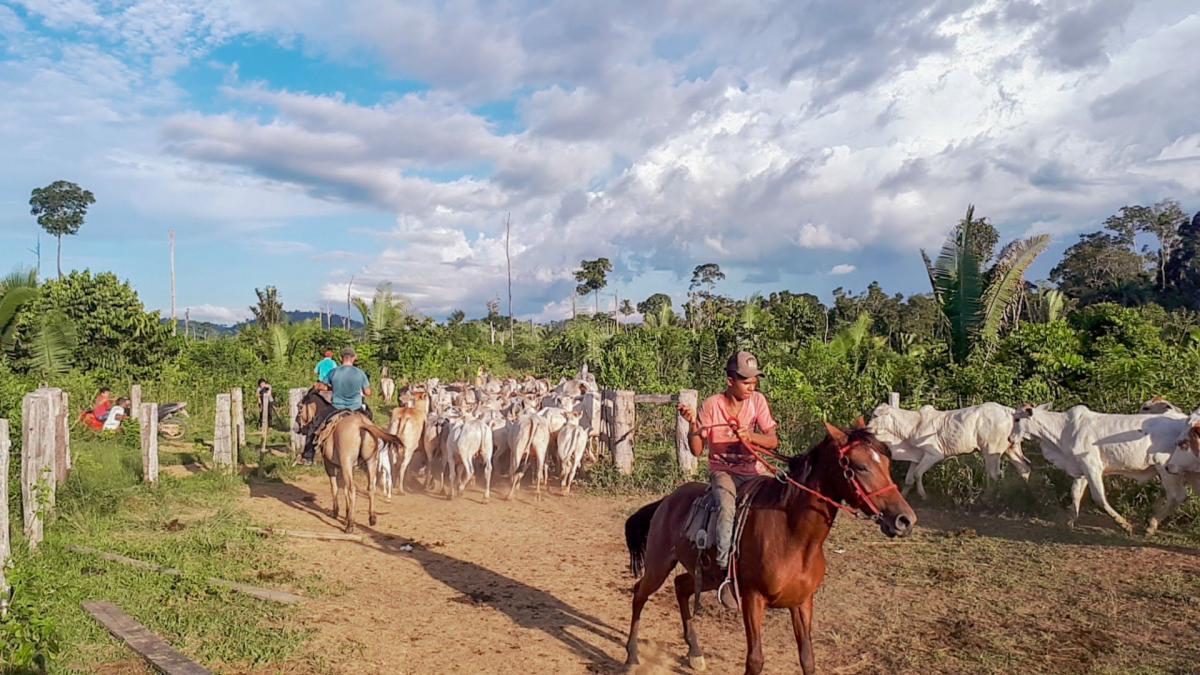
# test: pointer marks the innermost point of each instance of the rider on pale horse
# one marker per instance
(726, 424)
(349, 385)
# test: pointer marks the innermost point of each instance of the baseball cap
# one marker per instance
(743, 364)
(348, 352)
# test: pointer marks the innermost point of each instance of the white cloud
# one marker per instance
(216, 314)
(842, 269)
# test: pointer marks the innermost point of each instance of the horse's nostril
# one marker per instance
(903, 523)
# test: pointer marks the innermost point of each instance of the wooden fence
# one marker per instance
(618, 410)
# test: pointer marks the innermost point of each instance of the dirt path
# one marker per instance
(521, 587)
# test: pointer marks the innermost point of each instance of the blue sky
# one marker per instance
(799, 145)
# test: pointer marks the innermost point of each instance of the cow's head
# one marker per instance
(885, 425)
(1157, 406)
(1186, 456)
(1023, 422)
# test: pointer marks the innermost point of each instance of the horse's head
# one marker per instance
(858, 467)
(310, 406)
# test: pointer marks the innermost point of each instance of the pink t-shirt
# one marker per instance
(725, 452)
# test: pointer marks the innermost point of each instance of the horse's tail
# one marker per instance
(381, 435)
(637, 532)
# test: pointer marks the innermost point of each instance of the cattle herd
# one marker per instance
(1160, 440)
(517, 426)
(525, 426)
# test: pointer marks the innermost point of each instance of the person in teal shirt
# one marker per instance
(350, 384)
(324, 367)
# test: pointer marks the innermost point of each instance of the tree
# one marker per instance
(700, 289)
(386, 308)
(1162, 221)
(627, 308)
(456, 317)
(592, 276)
(1102, 266)
(60, 208)
(975, 302)
(269, 310)
(652, 304)
(16, 289)
(1183, 270)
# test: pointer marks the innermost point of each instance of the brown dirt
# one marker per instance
(524, 587)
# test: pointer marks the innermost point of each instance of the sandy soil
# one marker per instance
(524, 587)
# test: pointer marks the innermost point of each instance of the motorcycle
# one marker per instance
(172, 420)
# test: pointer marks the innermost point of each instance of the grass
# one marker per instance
(191, 524)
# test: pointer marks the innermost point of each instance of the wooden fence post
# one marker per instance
(894, 399)
(222, 434)
(620, 408)
(265, 422)
(61, 425)
(149, 416)
(39, 433)
(135, 402)
(683, 451)
(5, 546)
(294, 398)
(238, 417)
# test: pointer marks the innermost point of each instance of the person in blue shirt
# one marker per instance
(350, 385)
(323, 368)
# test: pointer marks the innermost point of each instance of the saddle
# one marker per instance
(323, 433)
(701, 529)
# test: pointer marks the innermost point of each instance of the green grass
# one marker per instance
(191, 524)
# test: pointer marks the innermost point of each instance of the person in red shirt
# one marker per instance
(102, 404)
(725, 424)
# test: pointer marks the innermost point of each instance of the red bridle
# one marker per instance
(782, 476)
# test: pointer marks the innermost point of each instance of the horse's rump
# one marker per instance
(637, 531)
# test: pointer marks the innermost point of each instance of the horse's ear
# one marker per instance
(839, 437)
(860, 423)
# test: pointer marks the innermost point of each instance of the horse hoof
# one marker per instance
(697, 663)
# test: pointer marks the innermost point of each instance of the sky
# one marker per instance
(800, 145)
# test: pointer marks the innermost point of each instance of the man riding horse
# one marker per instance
(726, 425)
(349, 385)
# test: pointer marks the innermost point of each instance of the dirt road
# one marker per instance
(523, 587)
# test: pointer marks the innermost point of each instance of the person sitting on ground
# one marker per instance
(350, 385)
(726, 426)
(322, 370)
(117, 414)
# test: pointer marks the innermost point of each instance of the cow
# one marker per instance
(530, 443)
(926, 436)
(572, 441)
(1088, 445)
(1185, 458)
(1159, 406)
(470, 439)
(409, 424)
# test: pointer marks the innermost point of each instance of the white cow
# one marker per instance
(927, 436)
(530, 446)
(572, 441)
(1186, 455)
(470, 438)
(1089, 445)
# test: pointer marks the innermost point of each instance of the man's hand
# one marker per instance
(686, 412)
(743, 434)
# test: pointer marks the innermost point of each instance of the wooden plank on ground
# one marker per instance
(149, 646)
(282, 597)
(301, 534)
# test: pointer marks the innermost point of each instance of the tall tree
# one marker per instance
(700, 290)
(1183, 270)
(386, 309)
(1103, 266)
(592, 276)
(60, 208)
(269, 310)
(976, 301)
(1162, 221)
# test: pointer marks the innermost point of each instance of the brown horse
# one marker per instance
(781, 558)
(354, 439)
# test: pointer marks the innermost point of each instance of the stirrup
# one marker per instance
(732, 594)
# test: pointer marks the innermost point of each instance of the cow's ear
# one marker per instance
(860, 423)
(839, 437)
(1044, 406)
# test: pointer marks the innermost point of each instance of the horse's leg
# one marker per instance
(658, 568)
(347, 471)
(802, 616)
(372, 475)
(684, 588)
(333, 489)
(754, 605)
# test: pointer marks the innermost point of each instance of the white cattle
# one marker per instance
(1089, 445)
(1186, 455)
(387, 387)
(469, 439)
(927, 436)
(1159, 406)
(384, 476)
(530, 445)
(572, 443)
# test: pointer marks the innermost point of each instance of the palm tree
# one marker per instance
(52, 345)
(973, 301)
(386, 309)
(16, 289)
(269, 310)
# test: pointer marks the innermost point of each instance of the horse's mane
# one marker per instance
(801, 466)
